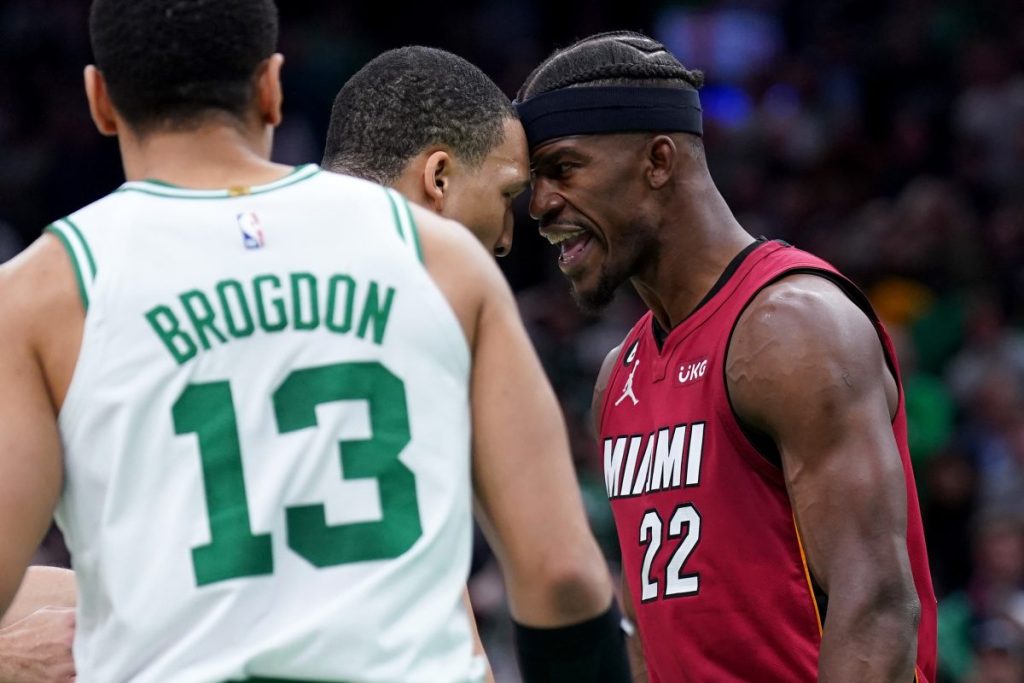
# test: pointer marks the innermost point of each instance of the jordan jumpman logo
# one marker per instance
(627, 389)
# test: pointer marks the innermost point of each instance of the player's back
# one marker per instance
(266, 439)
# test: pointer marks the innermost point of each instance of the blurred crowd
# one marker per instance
(885, 136)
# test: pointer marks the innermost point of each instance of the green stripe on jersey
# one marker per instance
(159, 188)
(62, 235)
(85, 246)
(282, 680)
(394, 213)
(413, 230)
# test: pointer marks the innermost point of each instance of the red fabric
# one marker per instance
(739, 607)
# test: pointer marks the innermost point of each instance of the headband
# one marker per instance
(594, 110)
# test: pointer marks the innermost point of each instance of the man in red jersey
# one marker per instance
(752, 422)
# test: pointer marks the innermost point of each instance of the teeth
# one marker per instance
(559, 237)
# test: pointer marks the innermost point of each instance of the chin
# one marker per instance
(592, 300)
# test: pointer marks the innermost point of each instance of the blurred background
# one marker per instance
(887, 137)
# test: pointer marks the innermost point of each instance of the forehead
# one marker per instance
(511, 154)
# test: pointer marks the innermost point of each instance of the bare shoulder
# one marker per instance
(604, 375)
(803, 340)
(463, 270)
(37, 284)
(41, 311)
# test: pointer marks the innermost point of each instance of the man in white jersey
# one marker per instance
(262, 463)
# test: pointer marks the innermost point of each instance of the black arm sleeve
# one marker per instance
(593, 651)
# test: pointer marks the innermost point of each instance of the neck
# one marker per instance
(209, 157)
(700, 236)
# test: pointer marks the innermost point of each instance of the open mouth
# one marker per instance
(572, 246)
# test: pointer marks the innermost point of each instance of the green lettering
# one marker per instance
(332, 297)
(277, 302)
(313, 312)
(201, 321)
(375, 313)
(240, 309)
(166, 325)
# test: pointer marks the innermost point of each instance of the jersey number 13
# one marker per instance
(208, 411)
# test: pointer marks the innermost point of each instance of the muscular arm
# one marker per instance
(637, 663)
(806, 368)
(30, 451)
(36, 293)
(527, 499)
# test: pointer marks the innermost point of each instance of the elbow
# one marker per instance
(564, 589)
(578, 590)
(887, 609)
(898, 603)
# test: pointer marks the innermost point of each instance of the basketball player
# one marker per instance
(752, 422)
(249, 391)
(434, 127)
(464, 157)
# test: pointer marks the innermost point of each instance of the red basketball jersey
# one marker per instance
(710, 549)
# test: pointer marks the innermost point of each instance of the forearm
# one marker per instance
(637, 662)
(567, 595)
(41, 587)
(37, 649)
(870, 641)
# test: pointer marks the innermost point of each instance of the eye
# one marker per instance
(564, 168)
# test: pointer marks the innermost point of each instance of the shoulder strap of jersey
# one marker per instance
(82, 261)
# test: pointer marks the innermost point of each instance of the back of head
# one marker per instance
(170, 63)
(406, 100)
(618, 58)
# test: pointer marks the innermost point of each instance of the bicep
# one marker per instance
(30, 458)
(807, 368)
(523, 474)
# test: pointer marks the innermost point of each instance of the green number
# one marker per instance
(295, 405)
(208, 411)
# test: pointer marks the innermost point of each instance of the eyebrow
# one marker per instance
(557, 153)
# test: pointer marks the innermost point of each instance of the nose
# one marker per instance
(544, 200)
(504, 244)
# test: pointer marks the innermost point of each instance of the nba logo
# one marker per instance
(252, 233)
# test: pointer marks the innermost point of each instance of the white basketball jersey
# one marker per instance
(266, 440)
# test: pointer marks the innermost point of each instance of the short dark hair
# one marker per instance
(407, 99)
(168, 63)
(611, 59)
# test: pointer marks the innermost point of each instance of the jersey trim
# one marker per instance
(413, 230)
(404, 223)
(82, 261)
(807, 575)
(661, 335)
(281, 680)
(394, 213)
(158, 188)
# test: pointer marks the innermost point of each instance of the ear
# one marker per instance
(100, 107)
(437, 178)
(268, 90)
(662, 158)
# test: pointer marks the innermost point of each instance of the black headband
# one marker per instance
(590, 111)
